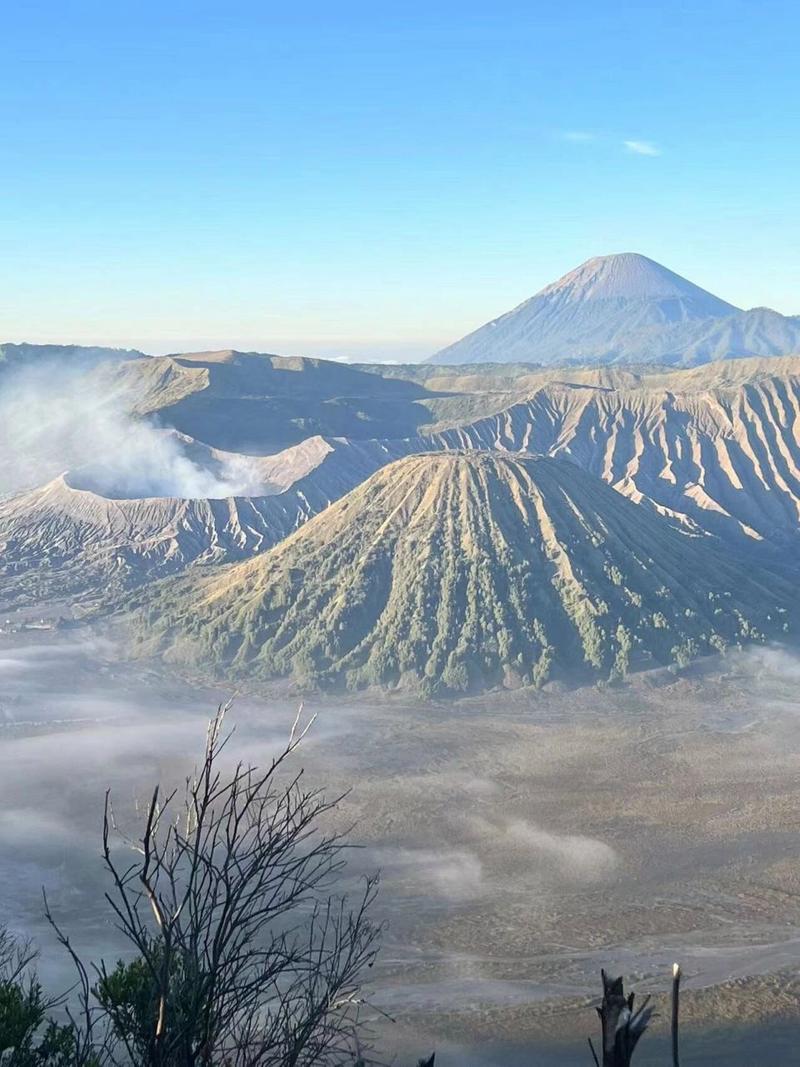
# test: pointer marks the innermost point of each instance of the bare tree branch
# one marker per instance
(244, 956)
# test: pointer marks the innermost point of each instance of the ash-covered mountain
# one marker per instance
(458, 571)
(625, 309)
(691, 470)
(82, 536)
(715, 450)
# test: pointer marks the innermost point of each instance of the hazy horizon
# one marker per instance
(380, 350)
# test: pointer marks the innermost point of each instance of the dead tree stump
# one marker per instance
(622, 1023)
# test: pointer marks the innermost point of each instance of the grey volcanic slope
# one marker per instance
(459, 571)
(61, 540)
(716, 448)
(721, 455)
(70, 539)
(625, 309)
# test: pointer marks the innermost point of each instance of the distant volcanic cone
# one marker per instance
(625, 309)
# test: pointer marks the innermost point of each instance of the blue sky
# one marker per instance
(378, 179)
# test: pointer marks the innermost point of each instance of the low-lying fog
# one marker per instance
(524, 842)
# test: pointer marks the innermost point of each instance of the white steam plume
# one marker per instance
(55, 418)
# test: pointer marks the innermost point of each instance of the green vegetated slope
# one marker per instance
(459, 571)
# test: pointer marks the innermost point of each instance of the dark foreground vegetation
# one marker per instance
(240, 951)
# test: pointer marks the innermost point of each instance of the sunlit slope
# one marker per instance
(78, 537)
(460, 571)
(723, 454)
(61, 541)
(69, 538)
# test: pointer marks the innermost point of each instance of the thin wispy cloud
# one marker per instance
(586, 137)
(578, 136)
(642, 148)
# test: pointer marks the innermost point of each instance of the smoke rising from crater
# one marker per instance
(55, 418)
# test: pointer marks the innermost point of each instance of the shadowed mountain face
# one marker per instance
(458, 571)
(625, 309)
(257, 403)
(446, 572)
(633, 277)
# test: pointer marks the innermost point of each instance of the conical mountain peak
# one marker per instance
(624, 308)
(631, 276)
(452, 572)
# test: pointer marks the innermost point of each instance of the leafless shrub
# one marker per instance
(244, 956)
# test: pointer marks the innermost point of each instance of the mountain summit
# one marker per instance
(625, 309)
(630, 276)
